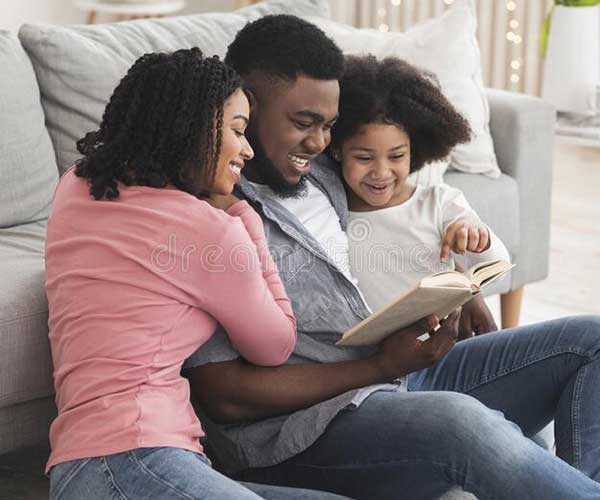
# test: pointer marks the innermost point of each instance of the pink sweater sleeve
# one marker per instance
(244, 293)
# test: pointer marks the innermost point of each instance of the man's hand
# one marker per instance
(462, 236)
(476, 319)
(402, 352)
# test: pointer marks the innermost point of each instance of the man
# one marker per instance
(341, 419)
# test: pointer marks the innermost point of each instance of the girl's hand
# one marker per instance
(462, 236)
(222, 201)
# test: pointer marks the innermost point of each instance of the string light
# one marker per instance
(384, 27)
(396, 3)
(513, 37)
(448, 2)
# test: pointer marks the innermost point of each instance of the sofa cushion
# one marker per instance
(24, 349)
(27, 162)
(79, 66)
(496, 201)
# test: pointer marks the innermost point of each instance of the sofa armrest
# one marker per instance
(522, 128)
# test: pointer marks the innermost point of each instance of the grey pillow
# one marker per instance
(28, 172)
(78, 67)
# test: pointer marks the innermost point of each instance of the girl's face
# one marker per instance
(234, 146)
(375, 164)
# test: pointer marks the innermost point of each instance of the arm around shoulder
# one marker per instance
(249, 301)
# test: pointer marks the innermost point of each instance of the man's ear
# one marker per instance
(251, 100)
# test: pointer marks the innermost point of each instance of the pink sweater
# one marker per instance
(134, 287)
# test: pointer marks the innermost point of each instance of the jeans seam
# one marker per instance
(502, 373)
(575, 418)
(111, 479)
(164, 482)
(67, 479)
(428, 461)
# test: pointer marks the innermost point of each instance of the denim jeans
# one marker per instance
(159, 474)
(464, 422)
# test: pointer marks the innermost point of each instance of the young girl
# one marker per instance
(146, 251)
(393, 120)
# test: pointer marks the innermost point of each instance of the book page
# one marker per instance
(485, 273)
(407, 309)
(447, 279)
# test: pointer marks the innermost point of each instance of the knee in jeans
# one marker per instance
(466, 419)
(587, 329)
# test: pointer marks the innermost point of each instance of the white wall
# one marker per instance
(13, 13)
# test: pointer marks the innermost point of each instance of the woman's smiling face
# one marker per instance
(235, 149)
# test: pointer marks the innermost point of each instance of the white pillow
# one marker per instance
(431, 174)
(446, 46)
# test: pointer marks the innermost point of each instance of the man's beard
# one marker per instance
(266, 171)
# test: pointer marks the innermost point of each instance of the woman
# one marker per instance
(146, 251)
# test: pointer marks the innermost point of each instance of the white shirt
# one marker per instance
(393, 248)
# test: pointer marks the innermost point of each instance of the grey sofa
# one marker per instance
(55, 90)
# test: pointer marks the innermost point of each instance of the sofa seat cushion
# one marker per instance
(495, 200)
(24, 348)
(78, 67)
(27, 162)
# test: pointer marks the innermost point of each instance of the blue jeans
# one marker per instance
(464, 422)
(159, 474)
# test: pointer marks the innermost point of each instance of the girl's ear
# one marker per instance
(251, 100)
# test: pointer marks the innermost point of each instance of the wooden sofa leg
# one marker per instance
(510, 307)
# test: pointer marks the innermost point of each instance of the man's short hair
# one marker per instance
(285, 46)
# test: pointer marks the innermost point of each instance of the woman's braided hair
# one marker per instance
(392, 91)
(162, 125)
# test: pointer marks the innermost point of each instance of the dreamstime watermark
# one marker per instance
(357, 253)
(213, 258)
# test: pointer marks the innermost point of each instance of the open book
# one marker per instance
(437, 294)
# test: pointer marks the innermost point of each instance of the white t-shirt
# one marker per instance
(393, 248)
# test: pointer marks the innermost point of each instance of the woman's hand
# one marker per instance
(462, 236)
(402, 352)
(222, 201)
(476, 319)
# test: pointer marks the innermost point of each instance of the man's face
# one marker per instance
(289, 126)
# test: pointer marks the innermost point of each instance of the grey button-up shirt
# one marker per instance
(326, 304)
